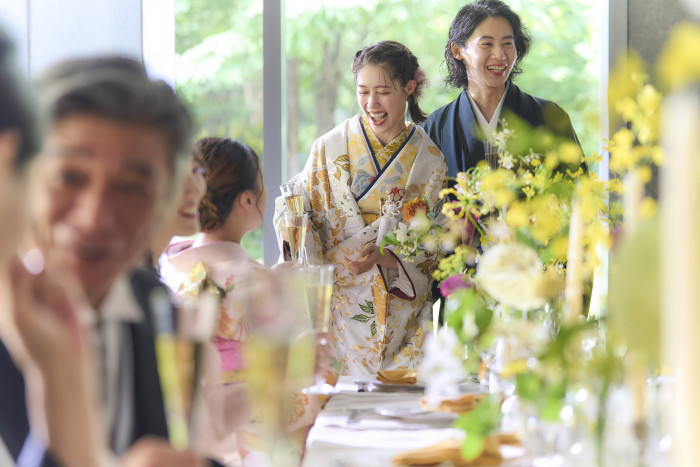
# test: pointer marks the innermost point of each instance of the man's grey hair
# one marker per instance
(116, 88)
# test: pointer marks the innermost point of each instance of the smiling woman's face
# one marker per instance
(184, 221)
(488, 54)
(383, 101)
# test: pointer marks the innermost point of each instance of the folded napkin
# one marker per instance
(460, 405)
(397, 376)
(449, 451)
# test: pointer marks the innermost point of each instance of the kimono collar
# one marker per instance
(467, 127)
(489, 127)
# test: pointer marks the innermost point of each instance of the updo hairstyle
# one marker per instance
(401, 65)
(231, 167)
(463, 25)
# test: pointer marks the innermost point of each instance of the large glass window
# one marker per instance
(220, 63)
(323, 36)
(219, 73)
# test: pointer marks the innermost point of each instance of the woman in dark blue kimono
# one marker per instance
(486, 44)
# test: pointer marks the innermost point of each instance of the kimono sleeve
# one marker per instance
(413, 278)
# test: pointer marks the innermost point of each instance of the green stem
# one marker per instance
(600, 423)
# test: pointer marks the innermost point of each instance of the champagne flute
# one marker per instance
(292, 198)
(295, 227)
(180, 336)
(319, 289)
(274, 310)
(492, 153)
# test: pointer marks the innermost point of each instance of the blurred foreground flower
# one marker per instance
(511, 273)
(411, 208)
(442, 368)
(456, 282)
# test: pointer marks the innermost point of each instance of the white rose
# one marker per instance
(511, 273)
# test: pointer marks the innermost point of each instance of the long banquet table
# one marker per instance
(350, 431)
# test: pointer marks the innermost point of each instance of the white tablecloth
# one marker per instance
(349, 432)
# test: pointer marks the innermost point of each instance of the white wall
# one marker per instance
(47, 31)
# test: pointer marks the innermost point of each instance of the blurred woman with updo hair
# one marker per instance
(380, 301)
(233, 205)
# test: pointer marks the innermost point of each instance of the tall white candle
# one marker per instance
(573, 296)
(680, 253)
(632, 199)
(637, 376)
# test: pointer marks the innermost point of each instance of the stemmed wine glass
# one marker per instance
(181, 335)
(274, 311)
(295, 226)
(492, 153)
(292, 198)
(318, 291)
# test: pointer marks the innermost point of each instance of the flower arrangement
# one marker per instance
(519, 228)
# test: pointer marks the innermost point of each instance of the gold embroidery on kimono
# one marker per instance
(377, 318)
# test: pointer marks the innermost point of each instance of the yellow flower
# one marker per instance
(593, 158)
(679, 62)
(570, 153)
(550, 285)
(560, 247)
(644, 173)
(615, 186)
(623, 78)
(529, 192)
(546, 221)
(517, 215)
(447, 191)
(628, 109)
(648, 208)
(658, 156)
(649, 100)
(623, 138)
(551, 161)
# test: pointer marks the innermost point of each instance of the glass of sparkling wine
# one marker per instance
(492, 153)
(295, 226)
(292, 198)
(180, 337)
(319, 289)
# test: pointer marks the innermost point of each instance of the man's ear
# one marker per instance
(456, 51)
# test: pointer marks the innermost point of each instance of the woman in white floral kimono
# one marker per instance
(380, 302)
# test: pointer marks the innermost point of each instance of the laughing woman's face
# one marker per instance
(383, 101)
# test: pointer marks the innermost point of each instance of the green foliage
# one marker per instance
(478, 424)
(452, 264)
(389, 240)
(469, 306)
(469, 302)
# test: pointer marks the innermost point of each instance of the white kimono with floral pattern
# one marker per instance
(377, 318)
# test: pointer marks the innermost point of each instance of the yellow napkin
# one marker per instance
(460, 405)
(448, 451)
(397, 376)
